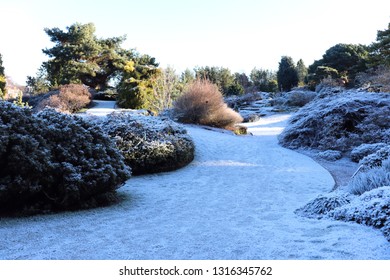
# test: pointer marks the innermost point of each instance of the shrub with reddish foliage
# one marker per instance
(71, 98)
(202, 103)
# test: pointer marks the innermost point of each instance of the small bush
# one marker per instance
(371, 209)
(202, 103)
(375, 159)
(299, 98)
(364, 150)
(323, 204)
(70, 98)
(52, 162)
(149, 144)
(376, 80)
(330, 155)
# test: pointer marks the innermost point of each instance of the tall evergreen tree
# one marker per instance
(78, 56)
(345, 59)
(287, 74)
(3, 80)
(380, 50)
(302, 72)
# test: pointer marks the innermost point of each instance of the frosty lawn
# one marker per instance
(235, 201)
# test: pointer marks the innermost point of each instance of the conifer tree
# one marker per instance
(287, 74)
(380, 50)
(302, 72)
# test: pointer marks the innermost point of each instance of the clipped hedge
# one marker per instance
(51, 162)
(149, 144)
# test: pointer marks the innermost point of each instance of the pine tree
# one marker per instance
(380, 50)
(302, 72)
(287, 74)
(78, 56)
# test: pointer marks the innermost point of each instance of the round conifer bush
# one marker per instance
(149, 144)
(52, 162)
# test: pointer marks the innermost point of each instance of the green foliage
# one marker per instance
(302, 72)
(380, 50)
(40, 83)
(287, 74)
(78, 56)
(3, 80)
(222, 77)
(264, 80)
(346, 59)
(187, 77)
(135, 89)
(2, 87)
(52, 162)
(149, 144)
(243, 80)
(19, 101)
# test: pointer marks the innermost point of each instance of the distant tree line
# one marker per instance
(79, 57)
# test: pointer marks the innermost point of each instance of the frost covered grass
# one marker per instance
(148, 144)
(364, 200)
(371, 179)
(51, 161)
(340, 121)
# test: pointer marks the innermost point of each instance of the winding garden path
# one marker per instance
(236, 200)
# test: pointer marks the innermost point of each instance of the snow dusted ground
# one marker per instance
(102, 108)
(235, 201)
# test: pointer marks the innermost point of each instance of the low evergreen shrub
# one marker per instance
(51, 162)
(149, 144)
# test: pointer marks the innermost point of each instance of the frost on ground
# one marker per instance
(356, 124)
(236, 200)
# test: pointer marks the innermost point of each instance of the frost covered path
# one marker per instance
(102, 107)
(235, 201)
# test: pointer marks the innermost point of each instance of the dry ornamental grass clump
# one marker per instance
(202, 103)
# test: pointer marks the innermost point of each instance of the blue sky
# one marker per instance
(239, 35)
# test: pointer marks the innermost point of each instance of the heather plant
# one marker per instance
(52, 162)
(376, 158)
(202, 103)
(340, 122)
(149, 144)
(364, 150)
(371, 208)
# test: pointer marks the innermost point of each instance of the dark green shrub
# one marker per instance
(340, 122)
(149, 144)
(52, 162)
